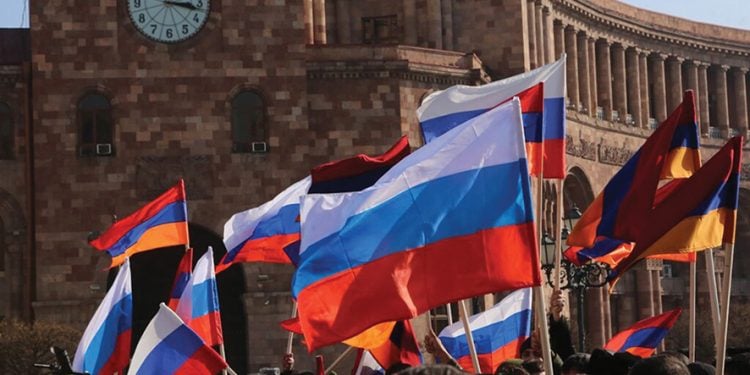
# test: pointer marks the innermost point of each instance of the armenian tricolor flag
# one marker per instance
(672, 151)
(643, 337)
(181, 278)
(698, 214)
(160, 223)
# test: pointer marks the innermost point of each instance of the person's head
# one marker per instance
(659, 365)
(534, 366)
(576, 364)
(700, 368)
(737, 364)
(511, 368)
(431, 370)
(396, 368)
(676, 355)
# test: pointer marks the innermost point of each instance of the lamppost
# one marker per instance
(578, 278)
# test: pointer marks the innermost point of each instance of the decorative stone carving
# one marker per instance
(614, 155)
(155, 174)
(582, 149)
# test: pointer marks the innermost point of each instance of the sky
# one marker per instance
(732, 13)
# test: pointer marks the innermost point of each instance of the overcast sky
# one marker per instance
(733, 13)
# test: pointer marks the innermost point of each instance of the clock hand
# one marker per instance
(184, 4)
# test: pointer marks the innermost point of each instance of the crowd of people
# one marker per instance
(566, 361)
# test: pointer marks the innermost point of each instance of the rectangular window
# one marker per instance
(380, 30)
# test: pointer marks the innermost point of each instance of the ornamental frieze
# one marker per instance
(614, 155)
(156, 174)
(580, 148)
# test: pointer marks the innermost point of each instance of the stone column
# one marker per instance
(319, 21)
(594, 319)
(722, 104)
(531, 27)
(634, 86)
(645, 103)
(447, 11)
(343, 25)
(584, 87)
(607, 310)
(703, 97)
(309, 29)
(691, 82)
(659, 92)
(644, 291)
(435, 27)
(559, 39)
(593, 102)
(571, 50)
(539, 29)
(604, 77)
(674, 82)
(619, 87)
(410, 21)
(740, 95)
(549, 39)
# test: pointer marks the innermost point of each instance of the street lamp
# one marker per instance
(579, 278)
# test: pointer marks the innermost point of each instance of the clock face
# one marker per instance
(169, 21)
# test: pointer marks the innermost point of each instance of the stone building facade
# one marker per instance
(103, 118)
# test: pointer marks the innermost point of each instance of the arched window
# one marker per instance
(248, 122)
(95, 126)
(6, 133)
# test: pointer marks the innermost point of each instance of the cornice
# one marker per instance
(586, 15)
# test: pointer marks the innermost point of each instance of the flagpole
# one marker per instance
(339, 359)
(558, 233)
(713, 293)
(539, 304)
(469, 336)
(449, 312)
(691, 348)
(290, 338)
(726, 294)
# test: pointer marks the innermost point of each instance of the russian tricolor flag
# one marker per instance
(168, 346)
(498, 333)
(260, 234)
(105, 345)
(542, 93)
(160, 223)
(199, 304)
(643, 337)
(452, 220)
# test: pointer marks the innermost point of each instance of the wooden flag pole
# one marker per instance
(713, 293)
(558, 234)
(691, 347)
(726, 295)
(469, 336)
(290, 338)
(339, 359)
(539, 305)
(449, 312)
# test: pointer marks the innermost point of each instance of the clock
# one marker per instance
(169, 21)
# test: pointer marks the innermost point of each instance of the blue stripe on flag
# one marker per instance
(460, 200)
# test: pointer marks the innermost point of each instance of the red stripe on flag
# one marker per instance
(403, 285)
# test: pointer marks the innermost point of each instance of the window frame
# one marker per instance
(257, 132)
(89, 149)
(6, 119)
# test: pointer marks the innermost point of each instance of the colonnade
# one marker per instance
(622, 82)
